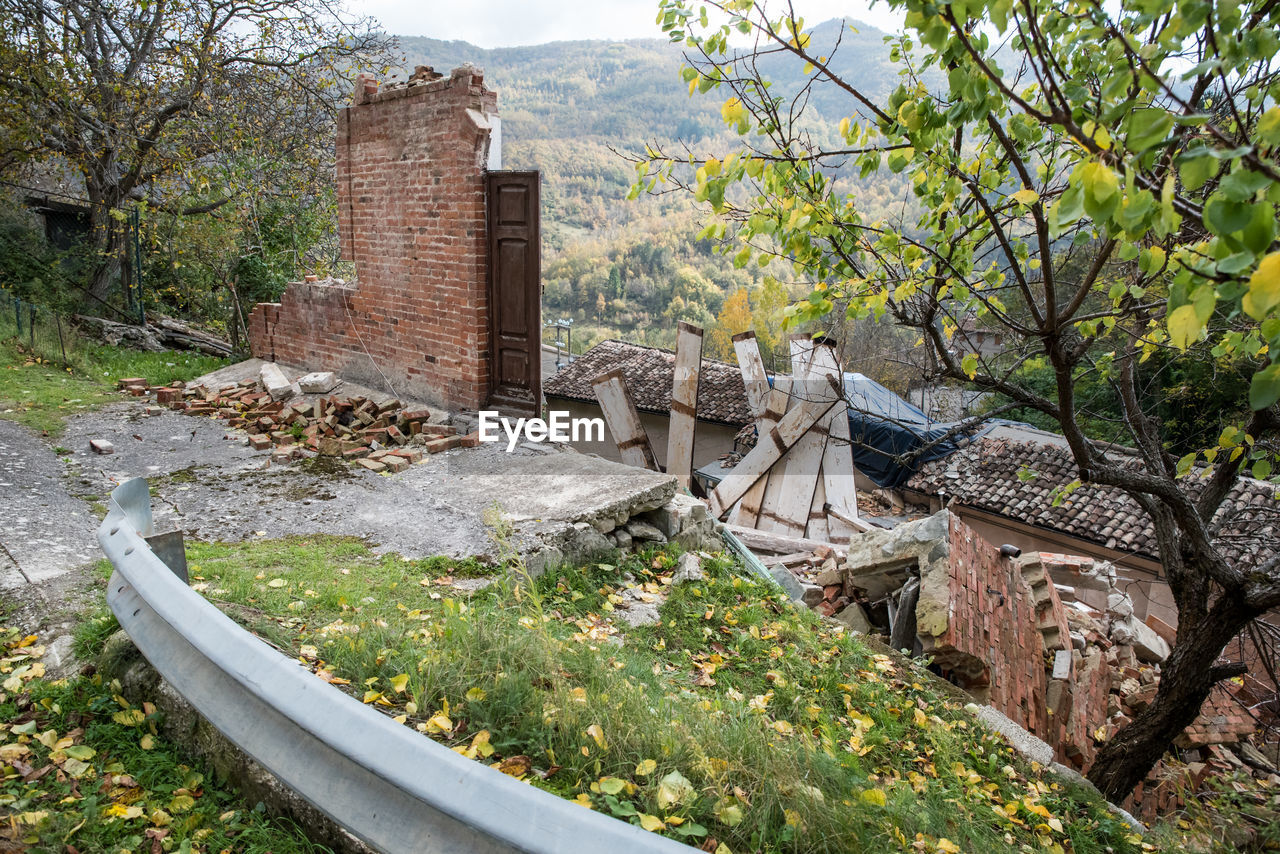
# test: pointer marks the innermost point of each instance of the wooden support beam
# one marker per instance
(838, 480)
(788, 499)
(817, 528)
(762, 541)
(747, 511)
(754, 378)
(684, 402)
(769, 449)
(624, 421)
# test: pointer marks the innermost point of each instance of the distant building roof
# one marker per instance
(649, 372)
(985, 475)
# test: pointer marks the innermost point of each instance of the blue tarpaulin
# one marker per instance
(883, 427)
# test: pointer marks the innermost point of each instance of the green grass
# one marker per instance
(99, 779)
(41, 394)
(738, 719)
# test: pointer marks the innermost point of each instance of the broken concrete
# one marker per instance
(318, 382)
(276, 383)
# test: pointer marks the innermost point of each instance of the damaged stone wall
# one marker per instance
(410, 177)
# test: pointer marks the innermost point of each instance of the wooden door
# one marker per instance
(515, 291)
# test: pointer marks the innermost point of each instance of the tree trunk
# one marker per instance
(1186, 678)
(106, 241)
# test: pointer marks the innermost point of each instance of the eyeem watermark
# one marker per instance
(559, 427)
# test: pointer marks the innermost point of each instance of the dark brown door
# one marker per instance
(515, 291)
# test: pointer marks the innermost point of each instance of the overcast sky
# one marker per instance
(503, 23)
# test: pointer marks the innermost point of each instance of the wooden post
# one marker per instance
(747, 513)
(768, 450)
(623, 420)
(684, 403)
(838, 482)
(754, 378)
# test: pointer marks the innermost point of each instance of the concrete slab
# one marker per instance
(216, 488)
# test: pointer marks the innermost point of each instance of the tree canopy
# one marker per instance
(175, 105)
(1096, 181)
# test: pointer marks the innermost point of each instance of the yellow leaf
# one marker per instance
(646, 767)
(371, 696)
(651, 823)
(147, 742)
(1026, 196)
(129, 717)
(597, 735)
(181, 803)
(1264, 288)
(948, 846)
(399, 683)
(1184, 326)
(583, 800)
(475, 695)
(276, 582)
(873, 796)
(441, 722)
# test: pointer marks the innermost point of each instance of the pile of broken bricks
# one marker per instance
(303, 418)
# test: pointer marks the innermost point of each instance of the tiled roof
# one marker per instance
(984, 475)
(649, 372)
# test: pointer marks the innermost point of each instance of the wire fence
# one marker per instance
(40, 331)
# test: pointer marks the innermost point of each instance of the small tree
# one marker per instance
(1096, 181)
(160, 103)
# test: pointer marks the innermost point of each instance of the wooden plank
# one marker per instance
(747, 511)
(763, 541)
(788, 499)
(817, 528)
(769, 449)
(684, 402)
(837, 459)
(624, 421)
(754, 378)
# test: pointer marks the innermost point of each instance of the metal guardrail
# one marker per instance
(394, 789)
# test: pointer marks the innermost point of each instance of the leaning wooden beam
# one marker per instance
(837, 460)
(747, 511)
(754, 378)
(623, 420)
(684, 403)
(762, 541)
(788, 499)
(818, 527)
(769, 449)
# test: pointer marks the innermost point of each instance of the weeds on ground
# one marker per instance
(737, 724)
(41, 394)
(82, 770)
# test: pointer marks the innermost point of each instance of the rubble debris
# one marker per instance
(318, 382)
(273, 379)
(101, 446)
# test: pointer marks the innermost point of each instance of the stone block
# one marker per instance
(372, 465)
(276, 383)
(855, 619)
(260, 442)
(1062, 660)
(688, 569)
(395, 464)
(101, 446)
(123, 384)
(811, 594)
(318, 382)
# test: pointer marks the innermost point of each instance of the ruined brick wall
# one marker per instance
(410, 179)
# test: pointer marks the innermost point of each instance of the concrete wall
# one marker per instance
(411, 197)
(710, 441)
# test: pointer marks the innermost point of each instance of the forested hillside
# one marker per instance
(633, 268)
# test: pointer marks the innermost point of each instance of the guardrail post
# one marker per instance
(170, 548)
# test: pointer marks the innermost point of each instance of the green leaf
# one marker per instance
(612, 785)
(1264, 390)
(1148, 127)
(1262, 469)
(969, 364)
(1268, 128)
(80, 751)
(1195, 172)
(1185, 464)
(1224, 216)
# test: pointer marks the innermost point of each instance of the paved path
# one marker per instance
(44, 531)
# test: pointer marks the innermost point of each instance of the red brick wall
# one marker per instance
(410, 179)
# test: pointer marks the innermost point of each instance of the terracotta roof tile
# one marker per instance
(985, 475)
(649, 372)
